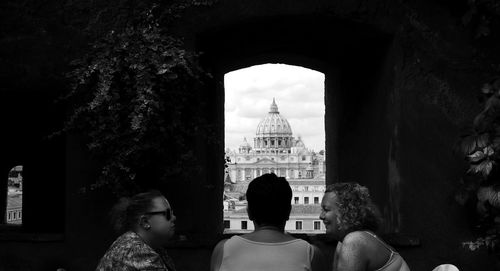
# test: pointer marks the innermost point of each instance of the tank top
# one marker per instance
(246, 255)
(395, 262)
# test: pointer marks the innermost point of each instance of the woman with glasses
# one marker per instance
(146, 222)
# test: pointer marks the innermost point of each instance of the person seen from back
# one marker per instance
(268, 247)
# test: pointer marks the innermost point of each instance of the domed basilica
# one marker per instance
(274, 150)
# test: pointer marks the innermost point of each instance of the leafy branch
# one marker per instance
(135, 95)
(481, 149)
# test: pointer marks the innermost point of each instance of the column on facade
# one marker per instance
(232, 174)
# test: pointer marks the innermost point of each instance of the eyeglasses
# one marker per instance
(167, 213)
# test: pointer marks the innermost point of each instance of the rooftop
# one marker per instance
(297, 209)
(306, 182)
(15, 201)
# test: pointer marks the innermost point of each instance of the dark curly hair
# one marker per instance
(124, 216)
(356, 209)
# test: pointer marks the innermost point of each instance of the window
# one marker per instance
(14, 196)
(298, 225)
(303, 158)
(317, 225)
(227, 224)
(306, 200)
(248, 173)
(271, 142)
(316, 200)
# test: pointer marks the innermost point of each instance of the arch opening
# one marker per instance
(274, 123)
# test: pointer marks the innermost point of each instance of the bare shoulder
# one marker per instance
(359, 242)
(355, 238)
(220, 244)
(370, 251)
(352, 253)
(217, 255)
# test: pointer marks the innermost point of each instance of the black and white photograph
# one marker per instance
(238, 135)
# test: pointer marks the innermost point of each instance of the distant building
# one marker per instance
(275, 150)
(14, 210)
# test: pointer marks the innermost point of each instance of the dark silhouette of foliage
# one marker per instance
(481, 184)
(134, 95)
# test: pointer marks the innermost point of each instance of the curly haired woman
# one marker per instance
(351, 218)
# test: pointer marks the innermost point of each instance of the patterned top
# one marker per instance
(130, 253)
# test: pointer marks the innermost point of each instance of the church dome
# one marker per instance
(274, 124)
(299, 143)
(245, 143)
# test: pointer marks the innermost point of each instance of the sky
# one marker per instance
(298, 92)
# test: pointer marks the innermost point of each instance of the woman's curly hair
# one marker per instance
(356, 209)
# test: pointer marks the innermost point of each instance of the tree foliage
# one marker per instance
(483, 16)
(134, 94)
(481, 185)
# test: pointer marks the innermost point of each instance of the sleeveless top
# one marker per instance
(246, 255)
(395, 262)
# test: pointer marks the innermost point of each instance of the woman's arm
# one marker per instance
(217, 254)
(351, 254)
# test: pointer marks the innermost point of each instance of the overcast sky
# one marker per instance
(299, 94)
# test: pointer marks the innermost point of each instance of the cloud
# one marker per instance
(299, 94)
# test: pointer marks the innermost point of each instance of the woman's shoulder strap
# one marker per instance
(379, 240)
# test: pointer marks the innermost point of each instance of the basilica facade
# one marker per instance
(274, 150)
